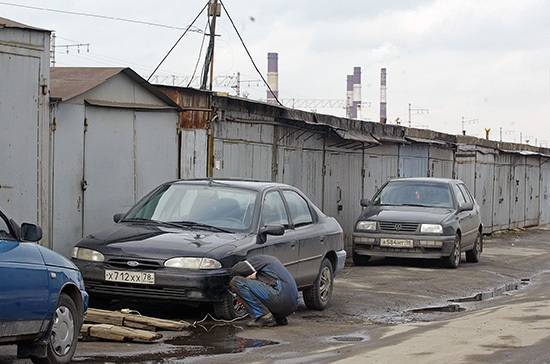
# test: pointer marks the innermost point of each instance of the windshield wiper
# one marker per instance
(199, 225)
(415, 205)
(155, 222)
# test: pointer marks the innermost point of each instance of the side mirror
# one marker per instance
(30, 232)
(466, 207)
(365, 202)
(270, 230)
(118, 217)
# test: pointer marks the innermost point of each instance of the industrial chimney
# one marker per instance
(273, 77)
(349, 95)
(383, 115)
(356, 99)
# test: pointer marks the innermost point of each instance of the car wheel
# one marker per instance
(359, 260)
(317, 297)
(472, 256)
(230, 308)
(453, 260)
(63, 334)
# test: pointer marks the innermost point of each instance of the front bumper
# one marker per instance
(369, 244)
(340, 260)
(170, 284)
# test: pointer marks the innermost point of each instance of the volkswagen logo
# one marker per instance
(397, 227)
(132, 263)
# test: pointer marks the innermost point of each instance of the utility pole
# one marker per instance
(214, 11)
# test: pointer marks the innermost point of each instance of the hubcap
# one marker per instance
(62, 331)
(325, 282)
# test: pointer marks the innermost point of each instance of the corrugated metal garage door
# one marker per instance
(413, 160)
(517, 188)
(484, 179)
(532, 190)
(545, 192)
(19, 179)
(501, 192)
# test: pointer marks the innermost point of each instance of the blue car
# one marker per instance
(42, 296)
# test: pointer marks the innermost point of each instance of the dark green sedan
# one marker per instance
(420, 218)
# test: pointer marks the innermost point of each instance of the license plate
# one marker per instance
(396, 243)
(129, 277)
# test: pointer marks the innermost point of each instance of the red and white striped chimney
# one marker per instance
(383, 115)
(356, 99)
(273, 77)
(349, 95)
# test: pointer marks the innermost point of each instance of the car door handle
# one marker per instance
(293, 244)
(322, 239)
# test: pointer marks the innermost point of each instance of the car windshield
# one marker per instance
(407, 193)
(213, 207)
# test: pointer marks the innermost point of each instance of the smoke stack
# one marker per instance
(273, 77)
(356, 98)
(487, 132)
(349, 95)
(383, 116)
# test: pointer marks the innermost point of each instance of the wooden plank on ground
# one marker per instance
(117, 333)
(133, 320)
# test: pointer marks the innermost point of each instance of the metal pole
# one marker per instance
(209, 59)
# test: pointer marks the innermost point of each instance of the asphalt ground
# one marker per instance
(377, 310)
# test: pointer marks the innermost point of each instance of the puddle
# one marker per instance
(204, 340)
(218, 339)
(446, 308)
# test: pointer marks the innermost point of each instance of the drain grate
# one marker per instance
(348, 338)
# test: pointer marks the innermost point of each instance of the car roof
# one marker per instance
(428, 180)
(257, 185)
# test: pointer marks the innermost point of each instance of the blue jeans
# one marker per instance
(259, 298)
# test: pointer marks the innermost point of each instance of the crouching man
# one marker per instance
(267, 289)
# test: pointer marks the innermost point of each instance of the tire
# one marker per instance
(472, 256)
(453, 260)
(230, 308)
(63, 335)
(318, 296)
(359, 260)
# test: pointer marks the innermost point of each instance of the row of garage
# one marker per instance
(80, 144)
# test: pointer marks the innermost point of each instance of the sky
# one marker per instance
(487, 62)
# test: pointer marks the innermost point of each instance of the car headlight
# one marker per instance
(431, 228)
(366, 225)
(87, 254)
(192, 263)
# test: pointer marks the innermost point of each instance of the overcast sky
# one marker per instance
(482, 59)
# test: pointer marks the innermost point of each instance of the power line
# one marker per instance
(175, 44)
(98, 16)
(248, 53)
(200, 53)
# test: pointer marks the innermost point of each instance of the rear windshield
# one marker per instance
(219, 206)
(409, 193)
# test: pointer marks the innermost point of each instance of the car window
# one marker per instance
(298, 207)
(465, 193)
(273, 210)
(414, 193)
(5, 233)
(459, 196)
(221, 206)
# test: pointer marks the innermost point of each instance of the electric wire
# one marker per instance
(200, 53)
(249, 55)
(99, 16)
(180, 38)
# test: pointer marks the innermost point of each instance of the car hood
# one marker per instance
(416, 214)
(158, 242)
(54, 259)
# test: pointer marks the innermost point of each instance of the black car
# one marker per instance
(420, 218)
(180, 241)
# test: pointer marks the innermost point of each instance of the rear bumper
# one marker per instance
(369, 244)
(170, 284)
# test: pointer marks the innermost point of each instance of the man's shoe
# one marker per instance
(266, 320)
(281, 321)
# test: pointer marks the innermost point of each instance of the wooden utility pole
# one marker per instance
(214, 11)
